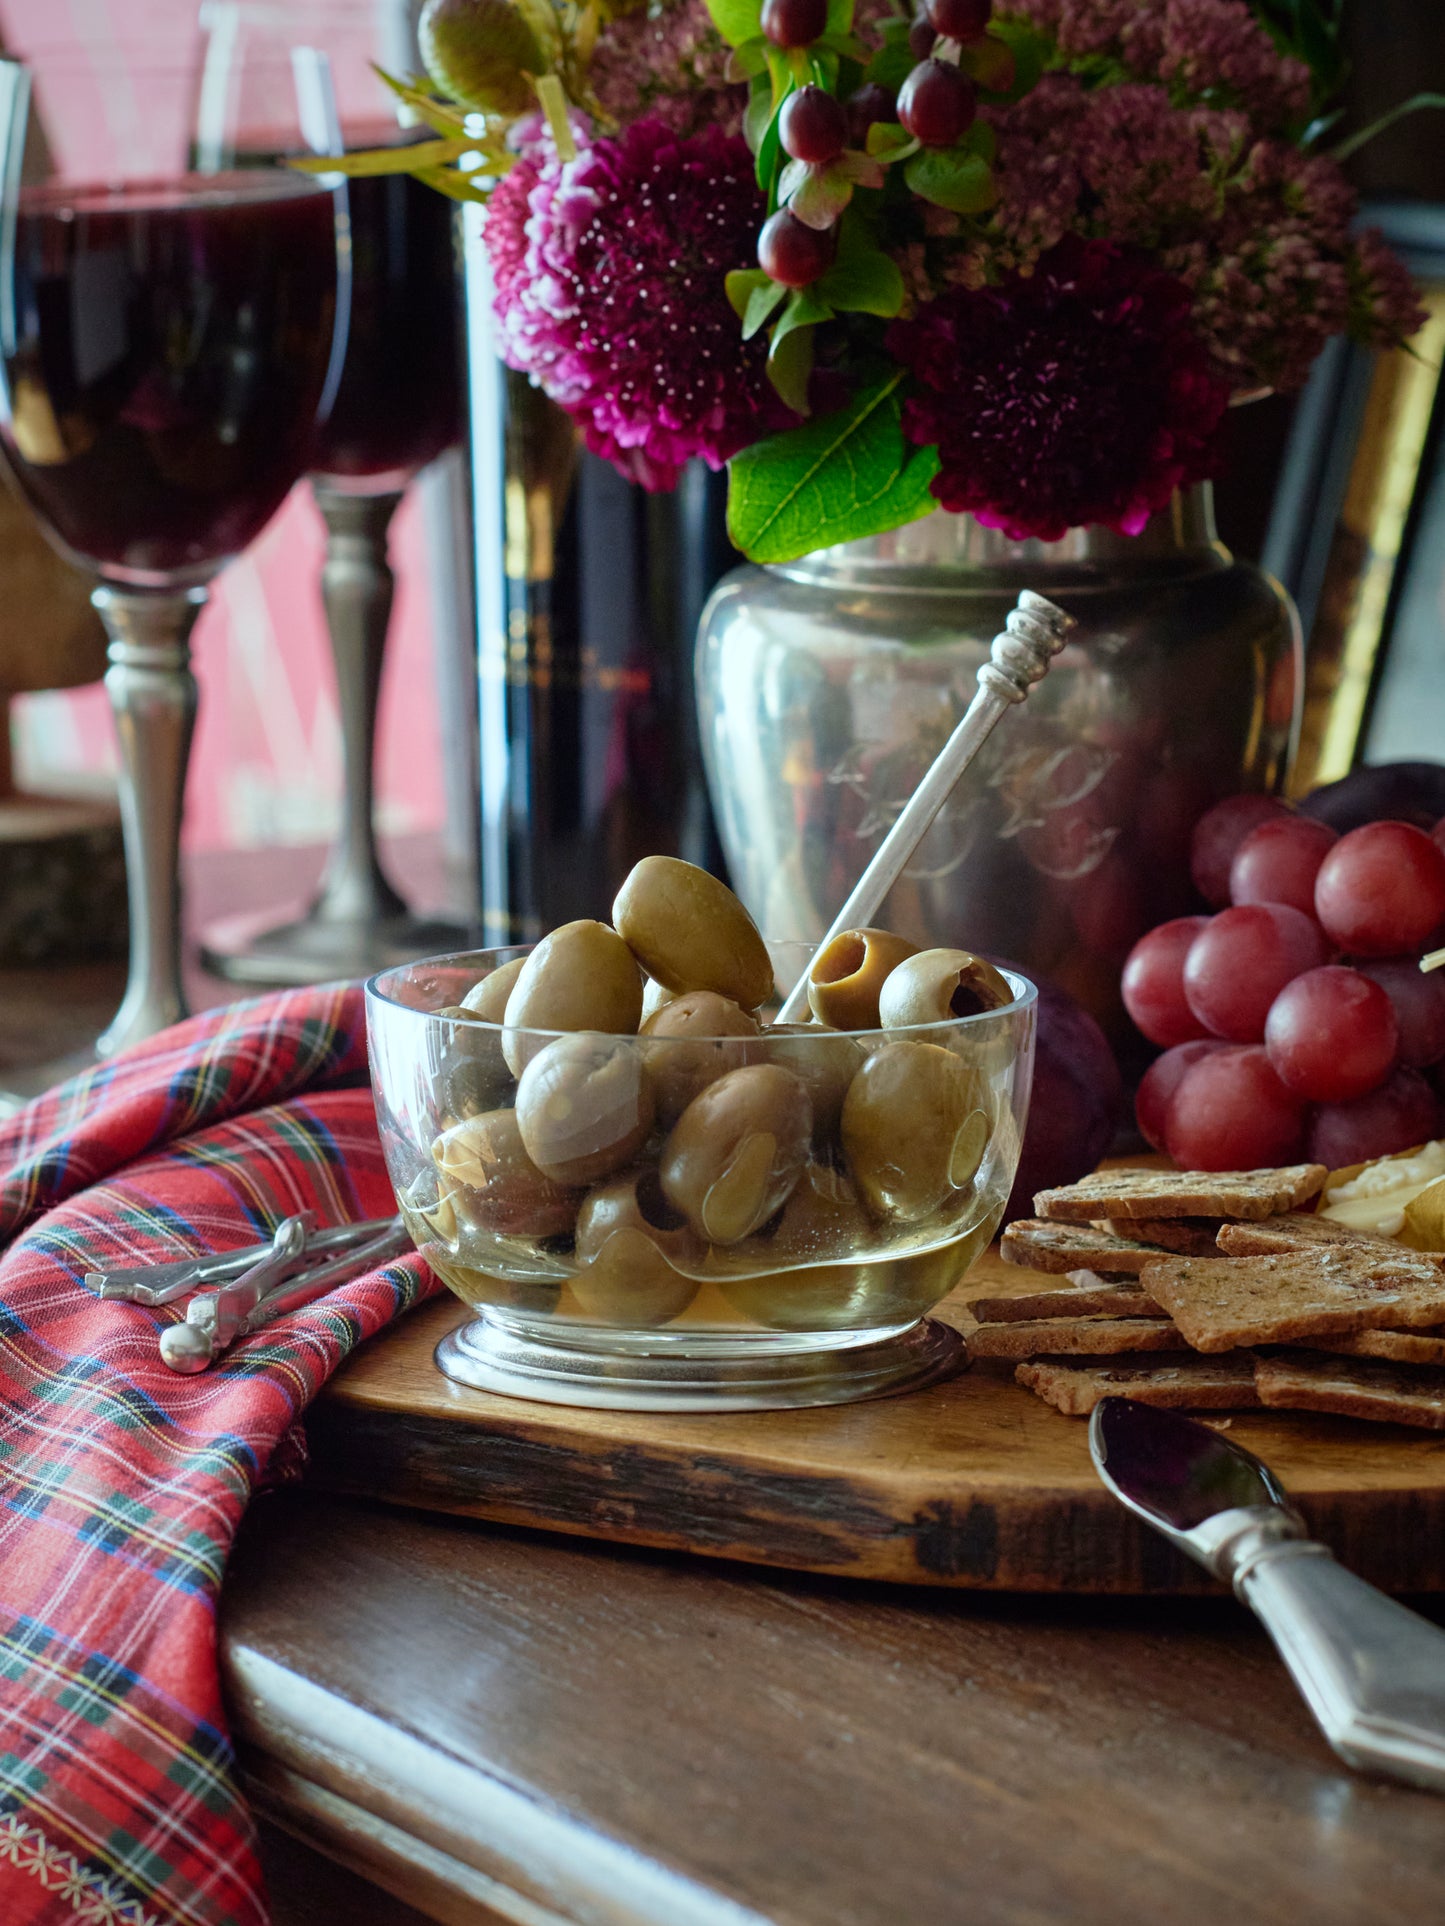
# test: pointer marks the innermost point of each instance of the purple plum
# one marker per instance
(1078, 1097)
(1391, 792)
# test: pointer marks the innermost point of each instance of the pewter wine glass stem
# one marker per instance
(357, 588)
(153, 699)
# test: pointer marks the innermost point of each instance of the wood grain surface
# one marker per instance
(626, 1738)
(974, 1484)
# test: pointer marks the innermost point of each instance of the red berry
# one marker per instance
(1217, 835)
(1230, 1111)
(921, 36)
(1381, 889)
(1403, 1112)
(869, 104)
(813, 126)
(1238, 965)
(1279, 861)
(1153, 982)
(793, 253)
(1437, 834)
(960, 19)
(794, 23)
(1161, 1080)
(936, 104)
(1419, 1000)
(1331, 1034)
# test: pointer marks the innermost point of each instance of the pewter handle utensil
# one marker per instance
(213, 1317)
(1034, 633)
(153, 1284)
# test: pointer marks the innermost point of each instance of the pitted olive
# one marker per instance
(807, 1269)
(630, 1243)
(938, 984)
(687, 1055)
(498, 1186)
(737, 1150)
(690, 932)
(846, 975)
(915, 1127)
(585, 1107)
(581, 977)
(826, 1060)
(655, 996)
(488, 999)
(472, 1075)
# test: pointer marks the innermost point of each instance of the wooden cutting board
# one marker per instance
(973, 1483)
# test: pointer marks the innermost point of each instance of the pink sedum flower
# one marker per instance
(668, 62)
(1076, 394)
(610, 292)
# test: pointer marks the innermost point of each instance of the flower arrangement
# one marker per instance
(1011, 256)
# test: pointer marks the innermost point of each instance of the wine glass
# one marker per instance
(399, 406)
(169, 338)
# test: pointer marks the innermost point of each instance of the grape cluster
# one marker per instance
(1295, 1021)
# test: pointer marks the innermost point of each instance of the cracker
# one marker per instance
(1405, 1347)
(1179, 1384)
(1354, 1388)
(1300, 1230)
(1222, 1302)
(1184, 1236)
(1083, 1294)
(1073, 1336)
(1072, 1247)
(1136, 1194)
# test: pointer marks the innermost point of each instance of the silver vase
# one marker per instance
(826, 687)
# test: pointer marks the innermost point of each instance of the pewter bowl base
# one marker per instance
(494, 1354)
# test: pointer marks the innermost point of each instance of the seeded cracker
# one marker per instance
(1082, 1294)
(1185, 1236)
(1072, 1247)
(1299, 1231)
(1073, 1336)
(1384, 1393)
(1405, 1347)
(1179, 1384)
(1136, 1194)
(1222, 1302)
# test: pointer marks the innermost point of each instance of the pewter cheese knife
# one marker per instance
(1372, 1673)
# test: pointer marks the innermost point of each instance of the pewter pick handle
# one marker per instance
(1033, 635)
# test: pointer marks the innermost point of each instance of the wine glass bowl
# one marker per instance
(666, 1222)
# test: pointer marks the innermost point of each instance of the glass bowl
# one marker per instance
(709, 1223)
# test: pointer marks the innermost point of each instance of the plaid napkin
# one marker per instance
(121, 1485)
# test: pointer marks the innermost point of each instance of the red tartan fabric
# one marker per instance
(121, 1485)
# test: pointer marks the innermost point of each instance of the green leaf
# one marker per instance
(770, 150)
(840, 18)
(417, 95)
(981, 140)
(951, 178)
(865, 282)
(1029, 49)
(759, 111)
(738, 21)
(893, 62)
(1414, 105)
(820, 196)
(461, 187)
(805, 309)
(741, 285)
(835, 480)
(375, 161)
(886, 141)
(762, 303)
(749, 60)
(790, 367)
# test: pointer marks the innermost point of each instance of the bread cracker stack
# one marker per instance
(1217, 1291)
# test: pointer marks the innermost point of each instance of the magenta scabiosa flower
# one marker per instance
(610, 278)
(1078, 393)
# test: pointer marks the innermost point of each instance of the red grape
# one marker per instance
(1153, 982)
(1217, 835)
(960, 19)
(1381, 889)
(794, 23)
(1419, 999)
(936, 104)
(793, 253)
(1230, 1111)
(1238, 965)
(1403, 1112)
(1331, 1034)
(1161, 1080)
(1279, 861)
(813, 126)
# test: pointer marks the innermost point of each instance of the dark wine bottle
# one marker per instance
(589, 591)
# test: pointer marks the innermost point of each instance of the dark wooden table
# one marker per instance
(456, 1722)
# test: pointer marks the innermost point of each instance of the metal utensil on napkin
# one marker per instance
(164, 1283)
(1372, 1672)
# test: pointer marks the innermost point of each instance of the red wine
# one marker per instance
(400, 401)
(169, 353)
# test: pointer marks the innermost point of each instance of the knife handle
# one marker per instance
(1372, 1672)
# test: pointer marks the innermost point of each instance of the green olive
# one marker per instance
(497, 1186)
(488, 999)
(737, 1150)
(472, 1075)
(937, 984)
(687, 1054)
(630, 1243)
(847, 974)
(915, 1127)
(585, 1107)
(655, 997)
(581, 977)
(826, 1060)
(690, 932)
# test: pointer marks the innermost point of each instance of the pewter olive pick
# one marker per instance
(914, 1130)
(584, 1107)
(737, 1150)
(581, 977)
(687, 1055)
(630, 1242)
(938, 984)
(690, 932)
(498, 1186)
(848, 973)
